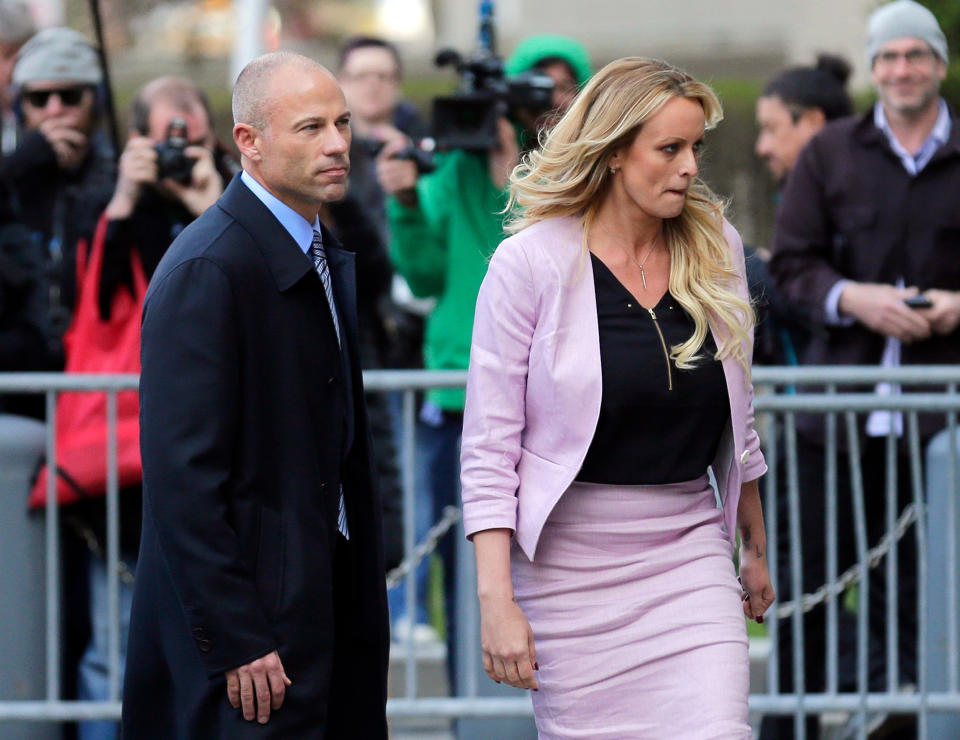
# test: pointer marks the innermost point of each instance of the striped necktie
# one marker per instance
(319, 257)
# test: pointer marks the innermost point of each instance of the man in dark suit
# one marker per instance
(260, 607)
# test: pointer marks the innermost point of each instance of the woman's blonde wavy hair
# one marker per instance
(570, 175)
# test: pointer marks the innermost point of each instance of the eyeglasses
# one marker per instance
(69, 96)
(381, 77)
(913, 57)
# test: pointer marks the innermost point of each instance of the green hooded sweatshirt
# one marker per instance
(442, 246)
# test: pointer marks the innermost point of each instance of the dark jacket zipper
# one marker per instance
(663, 343)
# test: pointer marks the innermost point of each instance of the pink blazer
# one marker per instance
(534, 386)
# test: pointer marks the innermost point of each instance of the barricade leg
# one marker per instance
(22, 608)
(943, 585)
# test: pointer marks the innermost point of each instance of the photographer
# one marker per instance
(444, 226)
(171, 170)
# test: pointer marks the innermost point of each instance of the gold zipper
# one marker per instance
(666, 354)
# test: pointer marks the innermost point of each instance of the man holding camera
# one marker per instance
(171, 170)
(866, 243)
(444, 227)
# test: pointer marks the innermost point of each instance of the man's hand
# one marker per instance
(138, 167)
(398, 177)
(506, 156)
(68, 144)
(205, 184)
(258, 687)
(881, 308)
(944, 315)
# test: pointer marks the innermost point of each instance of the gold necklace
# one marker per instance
(641, 263)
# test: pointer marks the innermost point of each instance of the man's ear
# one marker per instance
(815, 118)
(247, 139)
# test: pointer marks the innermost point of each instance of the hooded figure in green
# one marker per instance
(444, 227)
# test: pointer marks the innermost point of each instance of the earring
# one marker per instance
(613, 170)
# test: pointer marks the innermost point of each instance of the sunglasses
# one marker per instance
(70, 96)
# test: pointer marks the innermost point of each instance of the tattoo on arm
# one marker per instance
(746, 535)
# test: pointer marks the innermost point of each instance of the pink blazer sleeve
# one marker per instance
(494, 415)
(755, 465)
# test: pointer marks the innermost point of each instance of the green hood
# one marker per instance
(533, 49)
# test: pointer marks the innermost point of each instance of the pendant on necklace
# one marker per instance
(643, 277)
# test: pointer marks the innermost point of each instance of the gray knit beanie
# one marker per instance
(903, 19)
(16, 23)
(57, 54)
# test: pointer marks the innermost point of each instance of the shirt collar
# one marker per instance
(296, 225)
(916, 161)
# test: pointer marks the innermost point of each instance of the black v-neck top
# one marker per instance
(648, 433)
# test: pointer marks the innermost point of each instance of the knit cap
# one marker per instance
(57, 54)
(903, 19)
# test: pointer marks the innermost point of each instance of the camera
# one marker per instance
(171, 161)
(468, 118)
(420, 152)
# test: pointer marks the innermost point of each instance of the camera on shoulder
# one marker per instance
(467, 119)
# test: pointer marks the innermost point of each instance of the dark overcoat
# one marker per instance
(251, 419)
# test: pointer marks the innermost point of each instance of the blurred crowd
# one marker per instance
(864, 267)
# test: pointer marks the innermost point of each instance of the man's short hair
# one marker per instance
(250, 91)
(182, 94)
(368, 42)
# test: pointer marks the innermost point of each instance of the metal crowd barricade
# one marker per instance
(839, 408)
(842, 408)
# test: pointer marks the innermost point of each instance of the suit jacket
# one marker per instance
(251, 420)
(534, 386)
(851, 211)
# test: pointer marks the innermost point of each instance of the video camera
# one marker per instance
(171, 161)
(468, 118)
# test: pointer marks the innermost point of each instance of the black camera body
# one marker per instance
(419, 152)
(172, 163)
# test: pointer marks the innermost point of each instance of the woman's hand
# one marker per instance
(758, 592)
(507, 643)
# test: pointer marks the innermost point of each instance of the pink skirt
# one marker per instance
(636, 617)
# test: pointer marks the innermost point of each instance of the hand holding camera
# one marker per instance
(185, 172)
(398, 176)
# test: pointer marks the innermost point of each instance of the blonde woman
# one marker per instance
(610, 369)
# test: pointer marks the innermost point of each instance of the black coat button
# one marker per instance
(331, 380)
(205, 646)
